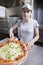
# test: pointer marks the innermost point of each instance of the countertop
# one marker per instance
(35, 55)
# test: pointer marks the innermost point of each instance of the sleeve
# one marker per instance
(19, 22)
(36, 24)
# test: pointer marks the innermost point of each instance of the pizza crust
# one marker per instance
(19, 58)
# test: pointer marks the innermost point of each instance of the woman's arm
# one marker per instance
(12, 29)
(36, 35)
(31, 43)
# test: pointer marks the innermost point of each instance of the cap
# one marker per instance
(27, 6)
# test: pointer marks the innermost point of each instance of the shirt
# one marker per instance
(26, 30)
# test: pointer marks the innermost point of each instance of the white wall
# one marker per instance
(2, 11)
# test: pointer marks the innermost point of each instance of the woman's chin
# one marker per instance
(26, 18)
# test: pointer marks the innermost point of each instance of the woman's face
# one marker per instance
(26, 13)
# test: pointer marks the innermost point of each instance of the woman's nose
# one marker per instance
(25, 13)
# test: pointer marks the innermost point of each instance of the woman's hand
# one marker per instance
(11, 35)
(12, 29)
(30, 45)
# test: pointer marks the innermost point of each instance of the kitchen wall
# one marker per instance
(17, 10)
(13, 11)
(38, 15)
(38, 11)
(26, 1)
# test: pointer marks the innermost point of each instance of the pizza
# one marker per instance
(12, 52)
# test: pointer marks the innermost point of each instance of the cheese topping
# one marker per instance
(10, 51)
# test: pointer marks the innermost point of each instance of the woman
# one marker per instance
(28, 30)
